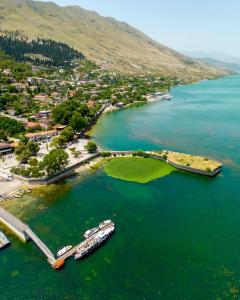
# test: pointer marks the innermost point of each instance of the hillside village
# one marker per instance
(46, 111)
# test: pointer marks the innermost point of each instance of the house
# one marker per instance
(39, 79)
(59, 127)
(33, 88)
(5, 148)
(44, 113)
(41, 97)
(30, 80)
(90, 104)
(72, 93)
(45, 122)
(32, 124)
(120, 104)
(55, 95)
(7, 72)
(19, 86)
(40, 136)
(15, 144)
(11, 111)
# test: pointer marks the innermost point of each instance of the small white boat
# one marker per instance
(64, 250)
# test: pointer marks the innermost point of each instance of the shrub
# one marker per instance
(106, 154)
(91, 147)
(165, 156)
(140, 153)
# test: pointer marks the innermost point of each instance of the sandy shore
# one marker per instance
(9, 187)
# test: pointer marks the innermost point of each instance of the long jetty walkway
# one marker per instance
(83, 244)
(24, 232)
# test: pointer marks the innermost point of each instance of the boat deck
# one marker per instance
(82, 245)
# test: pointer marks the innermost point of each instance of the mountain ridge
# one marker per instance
(234, 67)
(114, 45)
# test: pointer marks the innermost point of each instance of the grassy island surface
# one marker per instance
(140, 170)
(193, 161)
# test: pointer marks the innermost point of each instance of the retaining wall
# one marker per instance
(186, 168)
(61, 175)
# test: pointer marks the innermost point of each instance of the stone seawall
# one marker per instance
(70, 170)
(186, 168)
(196, 171)
(61, 175)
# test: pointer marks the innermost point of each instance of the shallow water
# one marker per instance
(177, 237)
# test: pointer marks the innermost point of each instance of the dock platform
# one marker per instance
(82, 245)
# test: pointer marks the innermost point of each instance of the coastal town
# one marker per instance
(47, 111)
(119, 150)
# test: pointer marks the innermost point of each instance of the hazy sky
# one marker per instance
(192, 25)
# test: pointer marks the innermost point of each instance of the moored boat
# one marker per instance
(64, 250)
(167, 96)
(100, 237)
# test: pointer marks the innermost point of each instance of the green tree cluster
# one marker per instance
(65, 137)
(72, 112)
(43, 51)
(10, 126)
(24, 151)
(55, 161)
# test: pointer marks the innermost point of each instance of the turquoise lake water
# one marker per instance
(177, 237)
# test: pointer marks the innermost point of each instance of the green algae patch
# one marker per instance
(140, 170)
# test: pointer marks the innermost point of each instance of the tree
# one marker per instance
(57, 142)
(91, 147)
(68, 134)
(78, 122)
(33, 162)
(33, 147)
(55, 161)
(24, 151)
(11, 126)
(76, 153)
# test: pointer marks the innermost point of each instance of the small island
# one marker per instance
(191, 163)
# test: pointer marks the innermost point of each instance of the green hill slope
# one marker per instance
(112, 44)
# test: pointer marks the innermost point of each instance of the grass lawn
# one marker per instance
(141, 170)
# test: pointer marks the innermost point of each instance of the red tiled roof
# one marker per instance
(41, 133)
